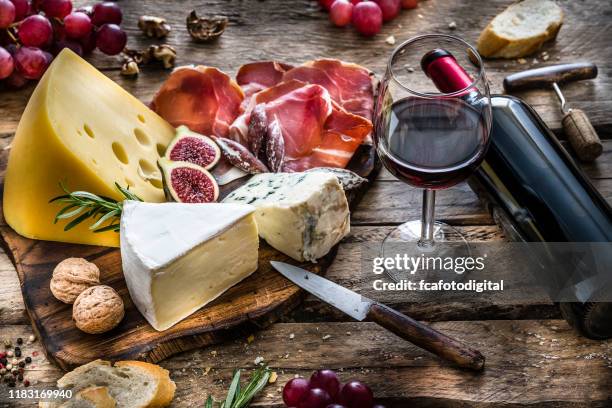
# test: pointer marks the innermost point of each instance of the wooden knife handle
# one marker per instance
(540, 77)
(426, 337)
(581, 135)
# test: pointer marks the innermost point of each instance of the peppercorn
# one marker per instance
(17, 352)
(2, 354)
(10, 353)
(12, 384)
(19, 341)
(20, 371)
(2, 371)
(22, 364)
(20, 377)
(7, 344)
(28, 360)
(26, 383)
(9, 367)
(3, 361)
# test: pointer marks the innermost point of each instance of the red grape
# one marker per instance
(86, 9)
(409, 4)
(75, 46)
(326, 4)
(22, 8)
(31, 62)
(315, 398)
(357, 395)
(341, 13)
(367, 18)
(6, 63)
(110, 39)
(390, 8)
(326, 379)
(56, 8)
(16, 80)
(89, 43)
(107, 12)
(7, 13)
(294, 390)
(77, 25)
(35, 31)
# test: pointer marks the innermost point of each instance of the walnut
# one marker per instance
(155, 27)
(98, 309)
(204, 29)
(71, 277)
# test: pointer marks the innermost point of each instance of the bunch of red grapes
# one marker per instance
(366, 16)
(32, 32)
(324, 390)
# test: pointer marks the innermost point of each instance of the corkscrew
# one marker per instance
(577, 127)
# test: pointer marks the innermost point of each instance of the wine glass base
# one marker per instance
(405, 239)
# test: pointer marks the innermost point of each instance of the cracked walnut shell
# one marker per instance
(71, 277)
(98, 309)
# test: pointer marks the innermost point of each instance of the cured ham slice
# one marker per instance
(342, 134)
(204, 99)
(302, 128)
(239, 129)
(257, 76)
(350, 85)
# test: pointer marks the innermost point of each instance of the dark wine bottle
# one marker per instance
(533, 187)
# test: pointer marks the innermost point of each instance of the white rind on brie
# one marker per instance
(303, 215)
(178, 257)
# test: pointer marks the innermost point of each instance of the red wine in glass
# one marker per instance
(434, 143)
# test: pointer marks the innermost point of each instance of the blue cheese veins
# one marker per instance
(303, 215)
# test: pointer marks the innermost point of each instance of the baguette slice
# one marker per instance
(521, 29)
(131, 384)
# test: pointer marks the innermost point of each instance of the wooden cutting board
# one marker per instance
(258, 300)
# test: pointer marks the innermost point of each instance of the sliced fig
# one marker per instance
(186, 182)
(194, 148)
(240, 156)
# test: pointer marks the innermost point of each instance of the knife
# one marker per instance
(362, 308)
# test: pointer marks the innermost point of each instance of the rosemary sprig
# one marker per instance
(83, 205)
(238, 397)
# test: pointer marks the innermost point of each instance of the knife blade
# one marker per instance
(361, 308)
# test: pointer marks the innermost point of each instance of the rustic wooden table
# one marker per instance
(533, 357)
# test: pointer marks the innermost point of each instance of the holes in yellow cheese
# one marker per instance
(142, 137)
(161, 149)
(141, 118)
(88, 130)
(120, 153)
(157, 183)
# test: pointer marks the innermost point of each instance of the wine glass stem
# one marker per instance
(427, 218)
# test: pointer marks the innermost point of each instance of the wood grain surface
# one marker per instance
(534, 359)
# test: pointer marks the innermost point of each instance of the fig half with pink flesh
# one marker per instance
(194, 148)
(186, 182)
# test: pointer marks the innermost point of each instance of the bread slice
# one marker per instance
(521, 29)
(131, 384)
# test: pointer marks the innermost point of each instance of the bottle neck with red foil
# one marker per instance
(445, 72)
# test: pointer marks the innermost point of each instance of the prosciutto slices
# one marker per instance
(350, 85)
(275, 117)
(304, 128)
(204, 99)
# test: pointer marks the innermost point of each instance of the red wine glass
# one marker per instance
(432, 123)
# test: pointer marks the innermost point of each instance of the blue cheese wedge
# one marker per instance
(179, 257)
(303, 215)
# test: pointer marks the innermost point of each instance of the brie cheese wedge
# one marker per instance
(179, 257)
(303, 215)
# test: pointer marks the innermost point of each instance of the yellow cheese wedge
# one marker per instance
(82, 129)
